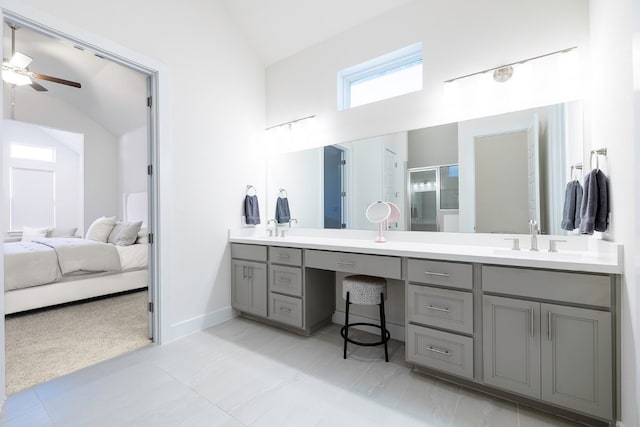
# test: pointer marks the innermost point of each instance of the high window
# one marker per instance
(31, 186)
(386, 76)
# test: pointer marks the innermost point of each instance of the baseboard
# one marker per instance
(200, 323)
(397, 331)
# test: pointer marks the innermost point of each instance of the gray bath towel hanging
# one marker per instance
(594, 209)
(251, 210)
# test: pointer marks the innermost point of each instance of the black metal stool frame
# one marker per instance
(385, 336)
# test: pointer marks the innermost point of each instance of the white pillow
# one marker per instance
(143, 235)
(29, 233)
(124, 233)
(101, 228)
(62, 232)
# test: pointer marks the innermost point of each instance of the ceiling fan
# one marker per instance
(16, 71)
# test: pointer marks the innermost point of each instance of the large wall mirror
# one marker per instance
(489, 175)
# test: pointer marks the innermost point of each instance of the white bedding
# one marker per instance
(133, 256)
(51, 260)
(29, 264)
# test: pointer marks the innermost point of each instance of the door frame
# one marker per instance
(159, 152)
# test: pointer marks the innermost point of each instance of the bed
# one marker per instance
(51, 271)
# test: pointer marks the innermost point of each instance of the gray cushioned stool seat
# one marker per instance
(364, 290)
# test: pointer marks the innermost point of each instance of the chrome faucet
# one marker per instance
(534, 231)
(270, 230)
(291, 221)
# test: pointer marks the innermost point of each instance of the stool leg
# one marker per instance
(346, 326)
(383, 329)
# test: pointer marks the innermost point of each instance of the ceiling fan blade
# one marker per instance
(20, 60)
(55, 80)
(37, 86)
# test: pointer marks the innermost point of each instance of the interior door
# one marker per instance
(333, 187)
(501, 205)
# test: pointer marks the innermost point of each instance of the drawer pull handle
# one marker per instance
(346, 263)
(431, 307)
(433, 273)
(285, 309)
(285, 256)
(439, 351)
(283, 280)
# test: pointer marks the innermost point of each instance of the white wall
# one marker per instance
(67, 168)
(611, 124)
(459, 37)
(132, 164)
(100, 149)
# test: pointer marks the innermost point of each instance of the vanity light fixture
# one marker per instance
(290, 122)
(504, 72)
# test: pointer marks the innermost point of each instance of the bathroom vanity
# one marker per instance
(536, 327)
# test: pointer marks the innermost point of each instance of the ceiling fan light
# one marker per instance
(20, 60)
(14, 78)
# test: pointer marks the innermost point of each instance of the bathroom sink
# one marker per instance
(541, 255)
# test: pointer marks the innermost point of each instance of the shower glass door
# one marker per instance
(423, 188)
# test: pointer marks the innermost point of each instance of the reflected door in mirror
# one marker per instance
(424, 204)
(333, 187)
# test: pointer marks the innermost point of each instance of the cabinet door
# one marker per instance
(511, 346)
(249, 287)
(576, 359)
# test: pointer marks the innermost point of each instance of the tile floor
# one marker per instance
(242, 373)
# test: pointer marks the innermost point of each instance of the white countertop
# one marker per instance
(582, 253)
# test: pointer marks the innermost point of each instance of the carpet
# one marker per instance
(49, 343)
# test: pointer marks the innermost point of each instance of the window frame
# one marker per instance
(397, 60)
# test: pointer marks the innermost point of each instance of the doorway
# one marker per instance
(146, 151)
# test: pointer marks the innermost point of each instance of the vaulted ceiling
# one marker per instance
(114, 95)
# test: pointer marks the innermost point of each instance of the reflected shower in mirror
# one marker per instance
(489, 175)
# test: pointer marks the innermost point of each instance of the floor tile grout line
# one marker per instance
(455, 409)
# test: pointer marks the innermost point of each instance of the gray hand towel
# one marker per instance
(251, 210)
(594, 210)
(282, 210)
(569, 209)
(572, 204)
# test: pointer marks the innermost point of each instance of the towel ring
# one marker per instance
(599, 152)
(249, 187)
(281, 192)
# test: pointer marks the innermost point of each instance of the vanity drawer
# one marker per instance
(288, 256)
(286, 280)
(440, 350)
(442, 308)
(578, 288)
(372, 265)
(457, 275)
(252, 252)
(285, 309)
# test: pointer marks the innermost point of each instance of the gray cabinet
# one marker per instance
(511, 347)
(576, 359)
(249, 287)
(556, 353)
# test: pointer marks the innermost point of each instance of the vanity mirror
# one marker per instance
(489, 175)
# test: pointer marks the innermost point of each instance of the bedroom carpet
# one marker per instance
(47, 344)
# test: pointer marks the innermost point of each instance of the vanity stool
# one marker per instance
(365, 290)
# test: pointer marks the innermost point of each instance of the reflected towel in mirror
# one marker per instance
(572, 203)
(282, 210)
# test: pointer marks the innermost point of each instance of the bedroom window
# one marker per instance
(386, 76)
(32, 198)
(33, 152)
